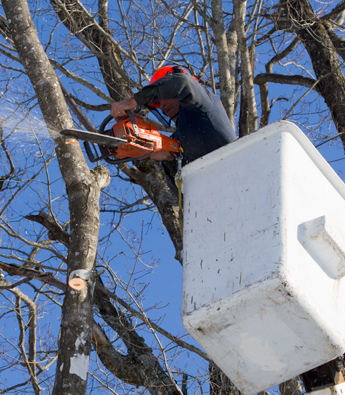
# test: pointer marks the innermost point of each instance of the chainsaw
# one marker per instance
(131, 138)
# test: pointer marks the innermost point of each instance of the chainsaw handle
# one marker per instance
(105, 123)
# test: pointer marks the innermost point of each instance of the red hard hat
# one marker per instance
(162, 72)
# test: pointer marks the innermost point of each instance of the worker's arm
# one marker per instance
(118, 109)
(180, 87)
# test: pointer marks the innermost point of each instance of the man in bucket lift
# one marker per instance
(202, 124)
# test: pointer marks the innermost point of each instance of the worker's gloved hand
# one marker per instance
(118, 109)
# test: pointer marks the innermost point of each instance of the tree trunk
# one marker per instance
(225, 61)
(83, 189)
(240, 7)
(324, 58)
(291, 387)
(220, 384)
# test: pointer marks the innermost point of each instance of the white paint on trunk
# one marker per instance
(80, 340)
(84, 274)
(80, 366)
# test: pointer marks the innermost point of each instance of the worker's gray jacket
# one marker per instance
(203, 125)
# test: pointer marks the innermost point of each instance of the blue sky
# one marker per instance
(164, 279)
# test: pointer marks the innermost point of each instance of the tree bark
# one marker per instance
(220, 384)
(337, 41)
(324, 58)
(240, 7)
(231, 37)
(83, 190)
(291, 387)
(243, 121)
(225, 59)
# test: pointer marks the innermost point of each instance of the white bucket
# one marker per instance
(264, 260)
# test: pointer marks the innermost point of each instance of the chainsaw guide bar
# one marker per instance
(95, 138)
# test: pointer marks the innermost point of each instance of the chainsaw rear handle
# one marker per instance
(131, 117)
(101, 129)
(105, 123)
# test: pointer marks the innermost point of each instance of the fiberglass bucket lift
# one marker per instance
(264, 257)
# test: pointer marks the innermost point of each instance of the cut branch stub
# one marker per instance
(77, 283)
(77, 279)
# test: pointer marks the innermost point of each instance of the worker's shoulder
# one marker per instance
(176, 79)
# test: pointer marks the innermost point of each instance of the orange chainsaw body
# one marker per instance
(143, 141)
(131, 138)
